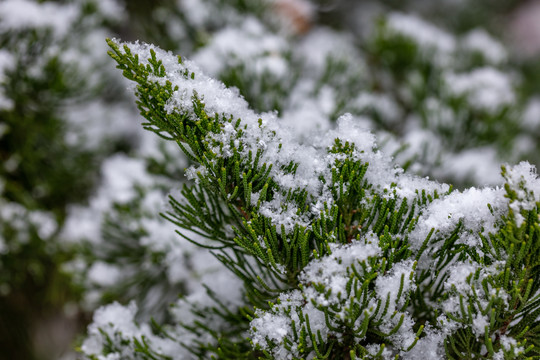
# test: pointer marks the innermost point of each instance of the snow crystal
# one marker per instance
(429, 347)
(282, 213)
(458, 274)
(524, 174)
(462, 278)
(522, 178)
(381, 171)
(331, 270)
(406, 335)
(479, 325)
(388, 286)
(276, 324)
(508, 342)
(469, 207)
(373, 349)
(349, 131)
(275, 327)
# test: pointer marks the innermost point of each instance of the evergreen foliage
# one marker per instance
(49, 157)
(280, 205)
(329, 239)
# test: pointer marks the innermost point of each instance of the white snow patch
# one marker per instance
(469, 207)
(478, 40)
(23, 14)
(426, 35)
(486, 88)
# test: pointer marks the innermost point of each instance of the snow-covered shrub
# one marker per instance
(330, 249)
(440, 102)
(304, 226)
(55, 80)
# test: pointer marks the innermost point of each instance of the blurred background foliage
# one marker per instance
(64, 110)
